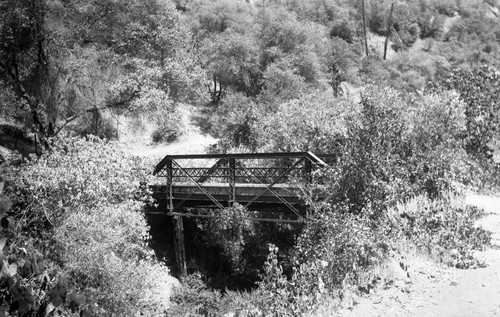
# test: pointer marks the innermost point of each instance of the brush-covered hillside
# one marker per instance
(404, 93)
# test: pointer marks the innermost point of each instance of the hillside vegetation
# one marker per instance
(406, 93)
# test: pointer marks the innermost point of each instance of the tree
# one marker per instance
(365, 36)
(479, 88)
(67, 60)
(389, 28)
(234, 61)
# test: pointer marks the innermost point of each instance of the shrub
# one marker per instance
(343, 244)
(479, 88)
(446, 7)
(377, 16)
(169, 126)
(234, 120)
(334, 250)
(282, 81)
(445, 227)
(97, 123)
(431, 25)
(231, 232)
(313, 122)
(105, 255)
(342, 30)
(79, 207)
(194, 298)
(395, 148)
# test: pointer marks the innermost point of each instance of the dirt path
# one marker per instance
(473, 292)
(191, 142)
(433, 290)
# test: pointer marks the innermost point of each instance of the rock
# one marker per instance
(378, 299)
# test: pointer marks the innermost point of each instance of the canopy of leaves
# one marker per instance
(66, 60)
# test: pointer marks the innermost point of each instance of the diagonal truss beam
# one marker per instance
(199, 181)
(268, 188)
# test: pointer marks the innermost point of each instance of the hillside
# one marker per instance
(102, 90)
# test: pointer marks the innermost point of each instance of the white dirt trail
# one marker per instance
(474, 292)
(193, 141)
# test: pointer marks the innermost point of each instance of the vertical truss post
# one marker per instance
(308, 179)
(180, 250)
(307, 170)
(232, 181)
(170, 185)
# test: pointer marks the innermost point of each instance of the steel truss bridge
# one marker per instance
(266, 182)
(258, 181)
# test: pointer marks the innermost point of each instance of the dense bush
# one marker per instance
(232, 231)
(343, 30)
(431, 25)
(345, 245)
(313, 122)
(444, 227)
(234, 120)
(194, 298)
(169, 126)
(79, 208)
(99, 123)
(479, 88)
(396, 147)
(105, 255)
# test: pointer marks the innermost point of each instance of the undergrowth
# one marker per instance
(444, 228)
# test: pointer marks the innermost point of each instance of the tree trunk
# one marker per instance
(365, 35)
(388, 32)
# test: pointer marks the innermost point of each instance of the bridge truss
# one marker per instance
(266, 182)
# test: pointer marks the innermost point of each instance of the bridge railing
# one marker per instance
(266, 169)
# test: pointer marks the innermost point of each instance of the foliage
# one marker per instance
(63, 63)
(431, 26)
(282, 82)
(323, 11)
(445, 227)
(314, 122)
(234, 60)
(105, 254)
(169, 126)
(194, 298)
(343, 31)
(232, 230)
(78, 209)
(479, 88)
(480, 34)
(344, 244)
(397, 147)
(234, 120)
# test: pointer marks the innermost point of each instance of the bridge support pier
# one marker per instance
(180, 250)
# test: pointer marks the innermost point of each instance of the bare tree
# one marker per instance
(389, 28)
(364, 26)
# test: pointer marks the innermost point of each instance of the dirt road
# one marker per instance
(473, 292)
(434, 290)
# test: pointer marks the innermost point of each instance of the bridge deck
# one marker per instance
(244, 193)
